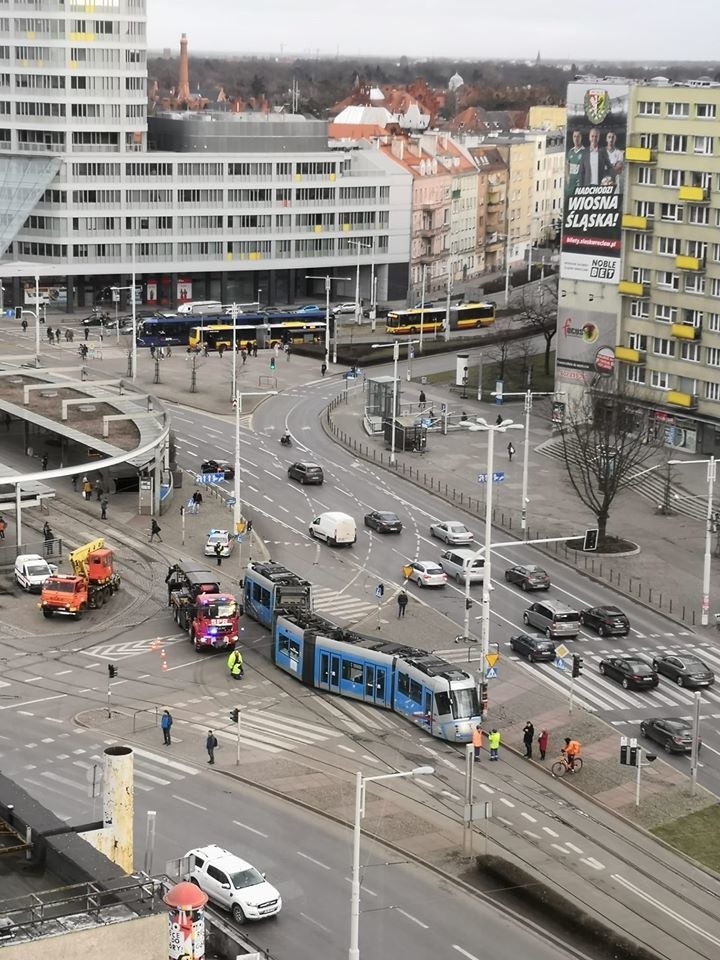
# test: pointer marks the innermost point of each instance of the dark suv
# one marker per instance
(305, 472)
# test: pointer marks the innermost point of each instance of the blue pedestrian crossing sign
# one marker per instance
(230, 501)
(209, 478)
(379, 590)
(560, 664)
(498, 476)
(491, 673)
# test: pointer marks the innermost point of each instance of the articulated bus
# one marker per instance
(172, 331)
(463, 316)
(215, 335)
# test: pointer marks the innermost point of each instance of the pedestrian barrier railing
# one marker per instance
(153, 714)
(51, 550)
(212, 489)
(601, 567)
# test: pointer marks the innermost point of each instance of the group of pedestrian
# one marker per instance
(166, 722)
(52, 335)
(493, 742)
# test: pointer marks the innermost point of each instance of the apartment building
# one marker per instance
(95, 189)
(640, 268)
(492, 206)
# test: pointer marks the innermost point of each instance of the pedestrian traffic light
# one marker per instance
(112, 671)
(577, 665)
(235, 715)
(591, 539)
(18, 313)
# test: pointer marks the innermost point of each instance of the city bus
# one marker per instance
(214, 335)
(170, 331)
(463, 316)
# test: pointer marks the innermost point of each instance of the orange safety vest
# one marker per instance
(572, 749)
(477, 738)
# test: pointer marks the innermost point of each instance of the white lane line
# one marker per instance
(592, 862)
(156, 758)
(363, 888)
(678, 917)
(486, 788)
(190, 803)
(64, 780)
(575, 849)
(315, 923)
(250, 829)
(61, 673)
(317, 863)
(27, 703)
(550, 833)
(557, 846)
(470, 956)
(529, 817)
(508, 803)
(409, 916)
(533, 836)
(508, 823)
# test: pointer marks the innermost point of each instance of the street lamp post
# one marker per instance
(422, 306)
(360, 782)
(368, 246)
(234, 310)
(711, 477)
(396, 357)
(328, 280)
(133, 348)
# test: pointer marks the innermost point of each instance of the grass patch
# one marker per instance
(697, 835)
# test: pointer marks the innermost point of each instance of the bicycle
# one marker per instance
(562, 766)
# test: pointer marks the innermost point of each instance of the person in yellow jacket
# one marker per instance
(477, 742)
(494, 743)
(235, 665)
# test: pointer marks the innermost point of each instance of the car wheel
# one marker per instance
(48, 613)
(643, 729)
(525, 619)
(679, 681)
(666, 747)
(311, 532)
(601, 631)
(625, 683)
(237, 913)
(655, 665)
(601, 668)
(459, 578)
(419, 582)
(524, 586)
(507, 576)
(548, 633)
(582, 619)
(531, 658)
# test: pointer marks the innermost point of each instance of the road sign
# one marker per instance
(491, 673)
(239, 537)
(482, 478)
(230, 501)
(209, 477)
(560, 664)
(497, 477)
(561, 651)
(491, 659)
(379, 590)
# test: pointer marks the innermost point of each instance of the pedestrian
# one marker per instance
(235, 665)
(422, 400)
(71, 336)
(477, 742)
(152, 352)
(3, 525)
(44, 461)
(248, 526)
(494, 743)
(98, 489)
(24, 326)
(67, 335)
(528, 737)
(74, 481)
(206, 350)
(255, 348)
(197, 499)
(167, 352)
(221, 350)
(287, 352)
(58, 333)
(210, 745)
(166, 721)
(402, 602)
(155, 530)
(218, 553)
(49, 538)
(542, 743)
(171, 581)
(86, 332)
(499, 420)
(243, 356)
(276, 348)
(103, 508)
(511, 451)
(323, 368)
(51, 335)
(86, 488)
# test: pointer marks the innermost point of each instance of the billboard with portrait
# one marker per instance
(594, 181)
(585, 346)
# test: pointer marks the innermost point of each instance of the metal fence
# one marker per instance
(52, 550)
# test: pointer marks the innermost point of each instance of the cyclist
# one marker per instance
(571, 751)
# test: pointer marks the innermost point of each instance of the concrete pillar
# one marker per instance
(71, 296)
(115, 838)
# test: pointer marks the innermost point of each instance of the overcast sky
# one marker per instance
(641, 30)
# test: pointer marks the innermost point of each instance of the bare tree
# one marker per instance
(537, 308)
(605, 446)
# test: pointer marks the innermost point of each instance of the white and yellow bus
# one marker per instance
(463, 316)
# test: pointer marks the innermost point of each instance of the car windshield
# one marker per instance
(384, 515)
(217, 538)
(544, 645)
(465, 704)
(247, 878)
(37, 569)
(222, 610)
(638, 666)
(457, 528)
(62, 586)
(433, 570)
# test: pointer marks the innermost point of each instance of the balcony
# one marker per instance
(629, 288)
(494, 241)
(630, 355)
(693, 264)
(685, 331)
(631, 222)
(428, 230)
(640, 155)
(688, 401)
(433, 205)
(694, 194)
(429, 256)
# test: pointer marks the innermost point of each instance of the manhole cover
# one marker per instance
(49, 393)
(87, 408)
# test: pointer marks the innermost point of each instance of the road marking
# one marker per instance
(411, 917)
(315, 923)
(508, 823)
(661, 906)
(251, 829)
(592, 862)
(189, 802)
(61, 673)
(572, 846)
(508, 803)
(312, 860)
(27, 703)
(557, 846)
(486, 788)
(533, 836)
(363, 888)
(156, 758)
(64, 780)
(550, 832)
(470, 956)
(529, 817)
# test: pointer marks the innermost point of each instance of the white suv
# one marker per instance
(233, 883)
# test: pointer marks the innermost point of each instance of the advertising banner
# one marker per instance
(585, 346)
(594, 181)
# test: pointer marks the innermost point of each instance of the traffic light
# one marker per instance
(577, 665)
(18, 313)
(468, 604)
(235, 715)
(112, 671)
(591, 539)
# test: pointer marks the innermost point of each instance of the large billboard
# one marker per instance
(585, 346)
(594, 181)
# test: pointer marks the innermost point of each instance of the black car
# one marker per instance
(674, 734)
(218, 466)
(606, 621)
(305, 472)
(383, 521)
(685, 669)
(630, 672)
(528, 577)
(536, 649)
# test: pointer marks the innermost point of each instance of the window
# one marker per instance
(703, 146)
(663, 348)
(218, 875)
(671, 212)
(635, 374)
(695, 178)
(697, 249)
(699, 216)
(646, 176)
(671, 178)
(642, 243)
(665, 314)
(640, 275)
(640, 309)
(660, 380)
(352, 671)
(692, 318)
(678, 109)
(668, 246)
(712, 390)
(713, 356)
(675, 143)
(645, 208)
(694, 283)
(715, 287)
(690, 352)
(649, 141)
(648, 108)
(713, 322)
(705, 111)
(637, 341)
(667, 280)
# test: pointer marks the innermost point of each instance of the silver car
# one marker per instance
(451, 531)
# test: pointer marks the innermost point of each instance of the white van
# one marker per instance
(334, 528)
(459, 564)
(200, 307)
(32, 570)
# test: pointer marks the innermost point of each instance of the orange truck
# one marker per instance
(91, 583)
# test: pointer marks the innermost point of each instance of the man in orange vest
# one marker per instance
(477, 742)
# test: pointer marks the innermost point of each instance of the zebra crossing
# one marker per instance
(337, 606)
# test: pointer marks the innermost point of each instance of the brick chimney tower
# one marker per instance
(183, 91)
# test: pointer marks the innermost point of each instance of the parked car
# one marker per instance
(305, 472)
(451, 531)
(685, 669)
(674, 734)
(606, 621)
(32, 570)
(530, 577)
(427, 573)
(218, 466)
(233, 883)
(223, 537)
(630, 672)
(383, 521)
(344, 308)
(310, 308)
(554, 619)
(536, 649)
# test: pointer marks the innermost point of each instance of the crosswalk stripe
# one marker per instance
(165, 761)
(371, 716)
(288, 733)
(254, 716)
(337, 714)
(245, 738)
(64, 780)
